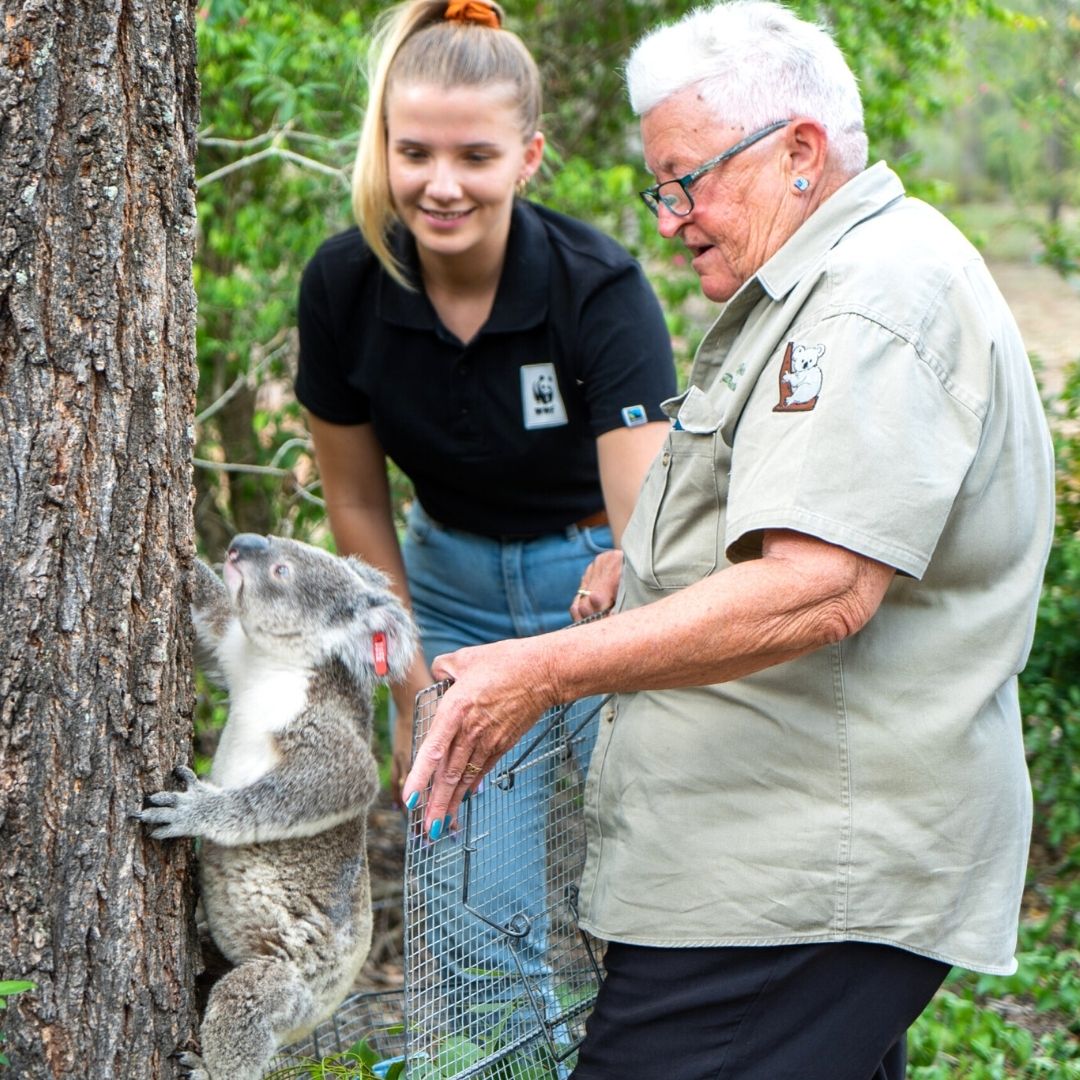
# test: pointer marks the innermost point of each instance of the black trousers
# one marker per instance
(786, 1012)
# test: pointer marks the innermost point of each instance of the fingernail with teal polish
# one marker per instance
(436, 829)
(412, 800)
(468, 794)
(446, 823)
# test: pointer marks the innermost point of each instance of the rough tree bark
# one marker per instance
(98, 111)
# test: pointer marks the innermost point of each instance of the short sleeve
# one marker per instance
(853, 436)
(327, 349)
(625, 351)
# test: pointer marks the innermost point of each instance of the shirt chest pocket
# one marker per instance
(675, 536)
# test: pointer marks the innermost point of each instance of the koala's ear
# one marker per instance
(372, 578)
(378, 643)
(393, 640)
(377, 640)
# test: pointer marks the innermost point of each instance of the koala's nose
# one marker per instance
(248, 544)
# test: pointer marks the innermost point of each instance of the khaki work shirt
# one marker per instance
(868, 387)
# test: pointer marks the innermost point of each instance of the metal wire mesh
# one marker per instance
(499, 979)
(375, 1017)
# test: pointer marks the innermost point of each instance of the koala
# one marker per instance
(804, 379)
(299, 638)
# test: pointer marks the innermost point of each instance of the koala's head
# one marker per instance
(805, 356)
(307, 606)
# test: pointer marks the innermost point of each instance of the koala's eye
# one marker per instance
(281, 570)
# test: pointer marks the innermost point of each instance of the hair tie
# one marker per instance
(474, 11)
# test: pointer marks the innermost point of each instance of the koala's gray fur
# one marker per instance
(283, 820)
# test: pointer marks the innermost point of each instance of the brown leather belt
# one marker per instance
(593, 520)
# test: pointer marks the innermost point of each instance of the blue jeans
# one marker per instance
(470, 590)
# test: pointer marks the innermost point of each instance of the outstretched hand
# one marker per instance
(499, 691)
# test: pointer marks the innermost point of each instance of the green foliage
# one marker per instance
(608, 198)
(982, 1027)
(211, 712)
(457, 1054)
(1060, 247)
(281, 110)
(581, 49)
(358, 1062)
(959, 1039)
(1016, 120)
(1050, 685)
(9, 988)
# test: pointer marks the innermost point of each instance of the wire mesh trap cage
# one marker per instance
(374, 1017)
(499, 978)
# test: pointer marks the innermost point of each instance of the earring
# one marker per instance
(800, 184)
(521, 185)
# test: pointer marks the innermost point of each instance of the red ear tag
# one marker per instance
(378, 653)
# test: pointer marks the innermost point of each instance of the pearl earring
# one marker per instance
(800, 183)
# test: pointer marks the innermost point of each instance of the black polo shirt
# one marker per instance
(497, 435)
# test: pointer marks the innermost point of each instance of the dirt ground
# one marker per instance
(1047, 309)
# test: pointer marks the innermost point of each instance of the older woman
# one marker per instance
(810, 799)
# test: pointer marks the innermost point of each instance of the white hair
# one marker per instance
(753, 62)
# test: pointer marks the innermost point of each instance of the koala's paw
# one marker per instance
(178, 813)
(193, 1064)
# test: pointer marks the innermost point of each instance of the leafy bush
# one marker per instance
(1050, 685)
(282, 103)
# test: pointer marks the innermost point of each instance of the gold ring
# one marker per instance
(583, 592)
(472, 770)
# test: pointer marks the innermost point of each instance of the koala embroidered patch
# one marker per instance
(800, 378)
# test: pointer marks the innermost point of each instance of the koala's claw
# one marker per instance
(175, 811)
(196, 1070)
(185, 775)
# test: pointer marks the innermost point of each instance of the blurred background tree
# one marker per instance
(283, 95)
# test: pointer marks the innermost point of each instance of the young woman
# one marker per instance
(509, 359)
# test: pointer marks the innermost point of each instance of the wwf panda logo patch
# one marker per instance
(541, 401)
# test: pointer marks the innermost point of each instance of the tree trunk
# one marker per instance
(98, 111)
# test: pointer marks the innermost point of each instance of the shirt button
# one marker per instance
(666, 458)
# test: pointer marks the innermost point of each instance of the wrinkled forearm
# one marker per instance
(800, 595)
(748, 617)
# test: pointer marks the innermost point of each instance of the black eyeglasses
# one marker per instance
(677, 199)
